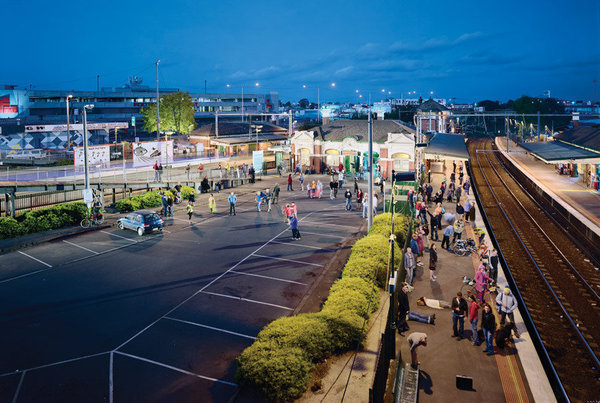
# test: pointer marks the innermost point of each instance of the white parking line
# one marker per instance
(326, 235)
(119, 236)
(246, 300)
(59, 362)
(267, 277)
(183, 371)
(22, 275)
(110, 378)
(331, 225)
(79, 246)
(298, 244)
(36, 259)
(16, 397)
(288, 260)
(211, 328)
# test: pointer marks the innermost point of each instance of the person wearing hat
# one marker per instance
(507, 303)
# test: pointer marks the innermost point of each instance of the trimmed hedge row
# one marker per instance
(148, 200)
(279, 362)
(401, 224)
(46, 219)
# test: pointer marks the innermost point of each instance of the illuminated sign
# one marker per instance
(75, 127)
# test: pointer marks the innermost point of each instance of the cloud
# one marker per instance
(344, 71)
(433, 43)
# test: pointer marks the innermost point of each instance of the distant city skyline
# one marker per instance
(497, 51)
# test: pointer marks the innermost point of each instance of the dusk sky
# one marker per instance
(464, 50)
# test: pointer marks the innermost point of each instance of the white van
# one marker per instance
(27, 155)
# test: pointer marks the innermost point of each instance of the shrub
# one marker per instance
(344, 329)
(306, 331)
(364, 287)
(375, 247)
(349, 300)
(186, 191)
(366, 268)
(137, 202)
(10, 228)
(382, 226)
(282, 373)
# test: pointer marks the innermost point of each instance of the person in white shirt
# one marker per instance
(374, 205)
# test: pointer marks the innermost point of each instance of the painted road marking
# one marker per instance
(22, 275)
(58, 363)
(16, 397)
(299, 245)
(247, 300)
(331, 225)
(36, 259)
(267, 277)
(119, 236)
(210, 327)
(326, 235)
(183, 371)
(288, 260)
(79, 246)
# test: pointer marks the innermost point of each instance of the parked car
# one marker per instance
(142, 222)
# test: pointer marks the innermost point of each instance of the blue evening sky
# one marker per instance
(462, 49)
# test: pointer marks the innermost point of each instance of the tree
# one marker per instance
(176, 114)
(530, 105)
(303, 103)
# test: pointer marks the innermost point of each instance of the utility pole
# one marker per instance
(506, 123)
(370, 212)
(217, 124)
(157, 106)
(242, 103)
(318, 104)
(85, 146)
(69, 123)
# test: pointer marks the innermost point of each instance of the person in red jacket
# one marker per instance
(473, 318)
(290, 180)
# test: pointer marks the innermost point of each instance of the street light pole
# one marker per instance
(318, 105)
(85, 146)
(242, 103)
(157, 106)
(68, 124)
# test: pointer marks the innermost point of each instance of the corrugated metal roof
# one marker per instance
(554, 151)
(448, 145)
(338, 130)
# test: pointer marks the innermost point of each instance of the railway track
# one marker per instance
(558, 281)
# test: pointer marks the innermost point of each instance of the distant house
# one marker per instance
(433, 116)
(346, 142)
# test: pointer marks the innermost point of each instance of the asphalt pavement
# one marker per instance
(111, 316)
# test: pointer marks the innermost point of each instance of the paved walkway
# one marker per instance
(570, 191)
(496, 378)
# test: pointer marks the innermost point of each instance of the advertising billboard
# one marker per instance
(257, 161)
(97, 155)
(75, 127)
(148, 152)
(9, 104)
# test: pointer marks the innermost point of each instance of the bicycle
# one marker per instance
(92, 219)
(464, 247)
(489, 288)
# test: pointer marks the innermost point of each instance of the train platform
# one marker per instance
(581, 202)
(513, 375)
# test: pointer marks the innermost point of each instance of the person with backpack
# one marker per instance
(507, 304)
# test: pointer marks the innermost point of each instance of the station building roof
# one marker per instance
(557, 152)
(447, 146)
(244, 139)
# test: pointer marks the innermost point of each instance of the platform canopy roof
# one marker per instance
(557, 152)
(447, 146)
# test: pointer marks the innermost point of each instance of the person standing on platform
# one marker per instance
(232, 201)
(467, 209)
(480, 281)
(458, 194)
(459, 227)
(212, 204)
(414, 247)
(488, 324)
(473, 318)
(448, 232)
(433, 257)
(507, 303)
(494, 260)
(403, 309)
(348, 197)
(459, 309)
(410, 264)
(415, 340)
(290, 180)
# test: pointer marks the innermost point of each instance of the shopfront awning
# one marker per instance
(446, 146)
(557, 152)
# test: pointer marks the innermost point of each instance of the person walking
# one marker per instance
(494, 260)
(459, 309)
(301, 179)
(335, 189)
(212, 204)
(375, 204)
(331, 189)
(232, 201)
(448, 232)
(276, 191)
(348, 197)
(410, 264)
(192, 197)
(294, 228)
(433, 257)
(355, 185)
(414, 341)
(473, 318)
(190, 211)
(290, 180)
(507, 303)
(258, 201)
(488, 324)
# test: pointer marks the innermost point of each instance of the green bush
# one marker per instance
(186, 191)
(365, 287)
(382, 226)
(376, 247)
(366, 268)
(282, 373)
(11, 228)
(306, 331)
(137, 202)
(349, 300)
(344, 329)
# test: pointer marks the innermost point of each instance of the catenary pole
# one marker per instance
(370, 200)
(157, 106)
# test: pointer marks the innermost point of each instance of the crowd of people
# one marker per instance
(433, 213)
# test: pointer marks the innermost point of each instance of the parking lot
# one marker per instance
(110, 316)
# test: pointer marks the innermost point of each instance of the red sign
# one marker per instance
(6, 107)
